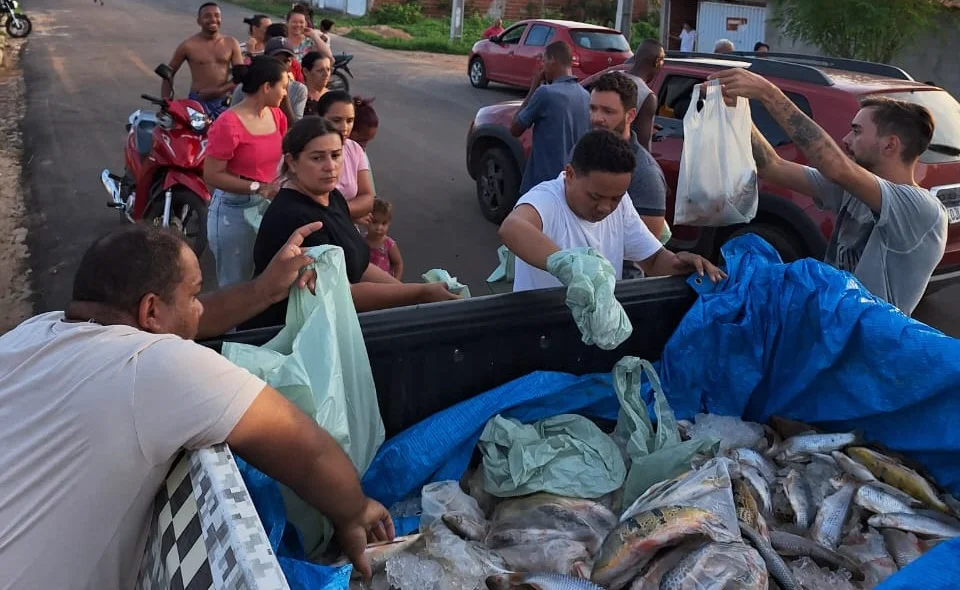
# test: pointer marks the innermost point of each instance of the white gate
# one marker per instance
(744, 25)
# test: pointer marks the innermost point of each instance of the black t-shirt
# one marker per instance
(290, 210)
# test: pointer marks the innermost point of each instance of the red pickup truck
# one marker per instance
(827, 89)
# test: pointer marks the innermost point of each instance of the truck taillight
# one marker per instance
(576, 61)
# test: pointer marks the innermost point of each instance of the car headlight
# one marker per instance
(198, 120)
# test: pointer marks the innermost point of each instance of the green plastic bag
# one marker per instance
(590, 281)
(438, 275)
(656, 454)
(504, 270)
(319, 362)
(566, 455)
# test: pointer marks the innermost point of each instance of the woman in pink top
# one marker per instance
(356, 182)
(244, 149)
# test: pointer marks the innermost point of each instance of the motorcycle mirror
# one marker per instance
(164, 71)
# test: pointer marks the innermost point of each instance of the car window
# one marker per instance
(946, 116)
(512, 36)
(675, 98)
(600, 41)
(539, 36)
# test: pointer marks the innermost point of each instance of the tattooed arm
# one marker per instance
(771, 167)
(821, 150)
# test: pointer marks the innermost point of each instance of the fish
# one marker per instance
(630, 546)
(772, 440)
(790, 545)
(759, 486)
(804, 444)
(539, 517)
(747, 509)
(899, 476)
(832, 514)
(755, 460)
(562, 556)
(379, 553)
(868, 550)
(879, 501)
(775, 564)
(662, 564)
(850, 466)
(465, 527)
(799, 498)
(540, 581)
(903, 546)
(721, 565)
(508, 537)
(915, 523)
(786, 427)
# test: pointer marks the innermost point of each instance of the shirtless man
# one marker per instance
(210, 56)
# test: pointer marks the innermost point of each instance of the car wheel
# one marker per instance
(477, 72)
(498, 183)
(783, 240)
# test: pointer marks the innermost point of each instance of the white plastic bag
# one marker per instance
(718, 175)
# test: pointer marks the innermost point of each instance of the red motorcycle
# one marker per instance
(162, 182)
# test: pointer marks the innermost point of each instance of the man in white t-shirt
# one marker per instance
(585, 207)
(96, 402)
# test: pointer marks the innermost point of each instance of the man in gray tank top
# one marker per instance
(647, 63)
(890, 232)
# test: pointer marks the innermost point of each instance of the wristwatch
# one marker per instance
(254, 187)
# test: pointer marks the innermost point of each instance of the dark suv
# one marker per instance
(827, 89)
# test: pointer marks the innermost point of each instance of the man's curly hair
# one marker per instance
(621, 84)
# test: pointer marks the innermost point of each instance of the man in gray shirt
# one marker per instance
(558, 108)
(890, 233)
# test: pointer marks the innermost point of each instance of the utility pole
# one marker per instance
(625, 18)
(456, 19)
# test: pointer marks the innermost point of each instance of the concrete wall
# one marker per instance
(932, 57)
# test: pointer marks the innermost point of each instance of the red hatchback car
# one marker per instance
(515, 56)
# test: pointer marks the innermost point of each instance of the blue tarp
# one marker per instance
(801, 340)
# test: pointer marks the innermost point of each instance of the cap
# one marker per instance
(278, 45)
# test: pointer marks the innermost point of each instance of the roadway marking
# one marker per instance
(133, 57)
(61, 70)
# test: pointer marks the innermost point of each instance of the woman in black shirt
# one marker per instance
(313, 152)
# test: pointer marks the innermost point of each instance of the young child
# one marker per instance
(384, 251)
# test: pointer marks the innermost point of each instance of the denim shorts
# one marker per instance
(230, 237)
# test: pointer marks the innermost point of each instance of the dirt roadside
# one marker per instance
(15, 305)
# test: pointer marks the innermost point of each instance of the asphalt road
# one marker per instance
(86, 65)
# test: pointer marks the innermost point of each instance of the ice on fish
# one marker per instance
(561, 556)
(731, 430)
(717, 566)
(406, 571)
(810, 576)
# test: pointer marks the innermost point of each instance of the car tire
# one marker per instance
(498, 183)
(783, 240)
(477, 73)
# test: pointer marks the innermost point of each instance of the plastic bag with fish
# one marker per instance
(637, 540)
(541, 517)
(869, 550)
(709, 488)
(538, 581)
(446, 499)
(810, 576)
(554, 555)
(731, 431)
(657, 453)
(440, 560)
(718, 566)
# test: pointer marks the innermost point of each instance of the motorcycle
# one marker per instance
(162, 182)
(17, 24)
(338, 81)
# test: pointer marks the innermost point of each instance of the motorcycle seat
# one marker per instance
(341, 60)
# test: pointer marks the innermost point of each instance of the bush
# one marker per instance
(396, 14)
(644, 30)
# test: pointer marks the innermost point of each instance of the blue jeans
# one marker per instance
(230, 237)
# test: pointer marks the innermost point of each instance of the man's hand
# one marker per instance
(373, 524)
(737, 82)
(284, 269)
(435, 292)
(700, 265)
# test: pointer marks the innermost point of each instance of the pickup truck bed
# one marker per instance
(429, 357)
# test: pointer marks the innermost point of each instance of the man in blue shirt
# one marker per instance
(558, 108)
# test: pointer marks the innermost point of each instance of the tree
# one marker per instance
(873, 30)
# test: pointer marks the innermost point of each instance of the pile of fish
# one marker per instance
(796, 509)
